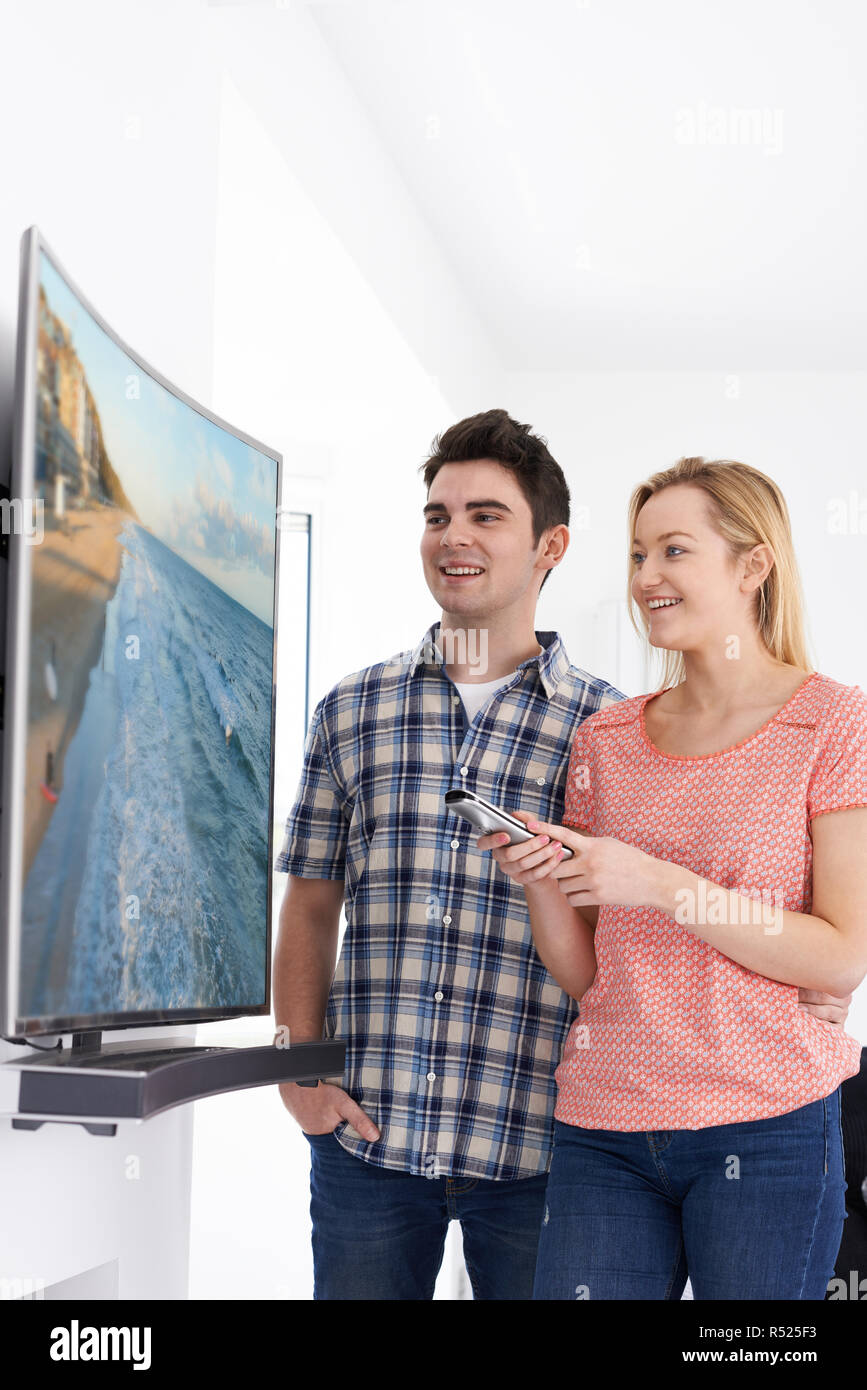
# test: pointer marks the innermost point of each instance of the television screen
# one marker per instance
(139, 722)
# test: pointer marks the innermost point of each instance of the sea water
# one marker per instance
(149, 889)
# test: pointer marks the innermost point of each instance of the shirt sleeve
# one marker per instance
(839, 777)
(317, 826)
(579, 813)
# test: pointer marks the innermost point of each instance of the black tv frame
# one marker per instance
(14, 674)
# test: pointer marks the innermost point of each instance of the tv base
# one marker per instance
(108, 1129)
(132, 1081)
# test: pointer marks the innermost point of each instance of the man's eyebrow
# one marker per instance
(470, 507)
(665, 536)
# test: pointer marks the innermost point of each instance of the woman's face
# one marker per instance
(678, 554)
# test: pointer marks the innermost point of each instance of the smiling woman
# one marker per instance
(727, 860)
(713, 540)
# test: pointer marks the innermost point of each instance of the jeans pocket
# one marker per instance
(833, 1105)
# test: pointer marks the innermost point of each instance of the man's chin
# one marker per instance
(458, 600)
(463, 606)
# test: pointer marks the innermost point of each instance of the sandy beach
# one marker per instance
(75, 573)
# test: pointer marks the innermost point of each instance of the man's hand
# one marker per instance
(319, 1110)
(827, 1006)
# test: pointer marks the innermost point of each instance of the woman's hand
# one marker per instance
(832, 1007)
(602, 870)
(525, 862)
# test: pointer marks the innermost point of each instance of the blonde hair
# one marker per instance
(748, 509)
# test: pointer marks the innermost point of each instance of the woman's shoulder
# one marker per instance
(624, 711)
(829, 700)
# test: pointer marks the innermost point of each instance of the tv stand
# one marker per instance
(109, 1130)
(98, 1086)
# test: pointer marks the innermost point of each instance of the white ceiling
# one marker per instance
(626, 184)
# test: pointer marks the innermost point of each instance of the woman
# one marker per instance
(697, 1126)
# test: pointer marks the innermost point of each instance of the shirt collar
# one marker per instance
(552, 662)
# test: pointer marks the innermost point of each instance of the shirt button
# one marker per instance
(439, 995)
(456, 844)
(447, 920)
(540, 781)
(456, 699)
(431, 1076)
(464, 771)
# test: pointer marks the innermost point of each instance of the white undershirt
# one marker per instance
(477, 693)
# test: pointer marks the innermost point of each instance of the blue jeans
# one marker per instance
(749, 1211)
(379, 1233)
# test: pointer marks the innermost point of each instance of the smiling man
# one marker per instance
(453, 1025)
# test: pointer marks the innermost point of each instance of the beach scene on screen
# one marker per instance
(146, 802)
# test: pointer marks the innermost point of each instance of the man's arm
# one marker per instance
(306, 955)
(304, 961)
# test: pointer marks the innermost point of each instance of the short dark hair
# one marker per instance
(493, 434)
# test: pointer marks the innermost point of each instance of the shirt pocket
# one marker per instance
(533, 786)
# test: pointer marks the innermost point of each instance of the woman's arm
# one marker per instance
(563, 937)
(563, 934)
(825, 949)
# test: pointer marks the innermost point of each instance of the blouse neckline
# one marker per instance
(706, 757)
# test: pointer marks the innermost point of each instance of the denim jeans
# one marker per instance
(753, 1210)
(379, 1233)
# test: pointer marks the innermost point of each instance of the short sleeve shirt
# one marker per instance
(453, 1026)
(672, 1034)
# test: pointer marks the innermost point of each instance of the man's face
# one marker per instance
(477, 518)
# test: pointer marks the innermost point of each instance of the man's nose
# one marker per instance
(455, 532)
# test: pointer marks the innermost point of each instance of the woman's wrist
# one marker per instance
(541, 889)
(667, 884)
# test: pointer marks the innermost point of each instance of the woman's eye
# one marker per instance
(636, 556)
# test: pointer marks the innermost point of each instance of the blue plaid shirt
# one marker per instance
(453, 1025)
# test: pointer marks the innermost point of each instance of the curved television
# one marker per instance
(141, 535)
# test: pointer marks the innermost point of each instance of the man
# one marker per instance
(452, 1024)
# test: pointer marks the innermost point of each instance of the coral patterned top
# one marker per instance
(672, 1034)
